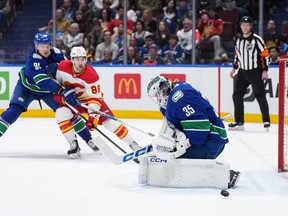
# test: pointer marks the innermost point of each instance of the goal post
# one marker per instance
(283, 116)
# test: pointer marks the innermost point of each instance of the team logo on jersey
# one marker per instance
(127, 86)
(177, 95)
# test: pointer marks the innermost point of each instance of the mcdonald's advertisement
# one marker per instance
(125, 88)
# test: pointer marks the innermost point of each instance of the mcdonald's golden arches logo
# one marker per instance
(127, 86)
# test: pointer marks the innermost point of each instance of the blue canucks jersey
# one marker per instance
(192, 113)
(173, 55)
(34, 75)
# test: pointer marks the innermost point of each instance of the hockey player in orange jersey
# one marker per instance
(84, 80)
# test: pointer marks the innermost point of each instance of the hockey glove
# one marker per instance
(163, 143)
(51, 69)
(92, 122)
(167, 148)
(69, 96)
(181, 139)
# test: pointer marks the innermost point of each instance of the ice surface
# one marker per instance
(38, 179)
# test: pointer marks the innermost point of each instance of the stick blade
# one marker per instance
(107, 150)
(230, 115)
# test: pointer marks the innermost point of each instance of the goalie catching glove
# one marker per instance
(167, 147)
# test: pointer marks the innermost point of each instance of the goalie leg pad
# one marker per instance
(184, 173)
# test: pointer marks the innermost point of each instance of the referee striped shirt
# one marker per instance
(251, 53)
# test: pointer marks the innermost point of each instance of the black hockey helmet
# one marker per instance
(246, 19)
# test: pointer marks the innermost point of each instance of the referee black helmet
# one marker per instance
(246, 19)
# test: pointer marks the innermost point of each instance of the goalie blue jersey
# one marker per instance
(34, 75)
(190, 112)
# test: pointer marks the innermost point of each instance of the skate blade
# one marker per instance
(75, 155)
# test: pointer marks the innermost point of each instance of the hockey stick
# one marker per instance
(120, 159)
(118, 120)
(230, 115)
(104, 135)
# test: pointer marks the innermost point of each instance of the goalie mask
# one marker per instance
(159, 89)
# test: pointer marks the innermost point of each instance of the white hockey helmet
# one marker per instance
(78, 51)
(159, 89)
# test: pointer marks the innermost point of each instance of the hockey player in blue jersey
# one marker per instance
(191, 127)
(190, 114)
(35, 83)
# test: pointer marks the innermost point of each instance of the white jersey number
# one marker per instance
(37, 65)
(188, 110)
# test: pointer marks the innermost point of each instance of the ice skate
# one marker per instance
(91, 143)
(236, 126)
(74, 151)
(234, 178)
(134, 146)
(266, 125)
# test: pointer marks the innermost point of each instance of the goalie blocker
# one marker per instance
(184, 173)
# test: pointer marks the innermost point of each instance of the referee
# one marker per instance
(251, 58)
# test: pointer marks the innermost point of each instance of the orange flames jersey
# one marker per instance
(86, 84)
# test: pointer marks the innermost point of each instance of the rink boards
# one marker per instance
(124, 89)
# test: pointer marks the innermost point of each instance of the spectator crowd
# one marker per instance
(158, 31)
(8, 10)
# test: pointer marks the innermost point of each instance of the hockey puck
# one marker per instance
(224, 193)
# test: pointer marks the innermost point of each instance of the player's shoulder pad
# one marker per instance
(36, 56)
(64, 64)
(90, 74)
(56, 50)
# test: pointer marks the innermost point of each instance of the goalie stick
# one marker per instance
(120, 159)
(118, 120)
(103, 134)
(230, 115)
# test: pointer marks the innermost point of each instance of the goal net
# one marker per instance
(283, 116)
